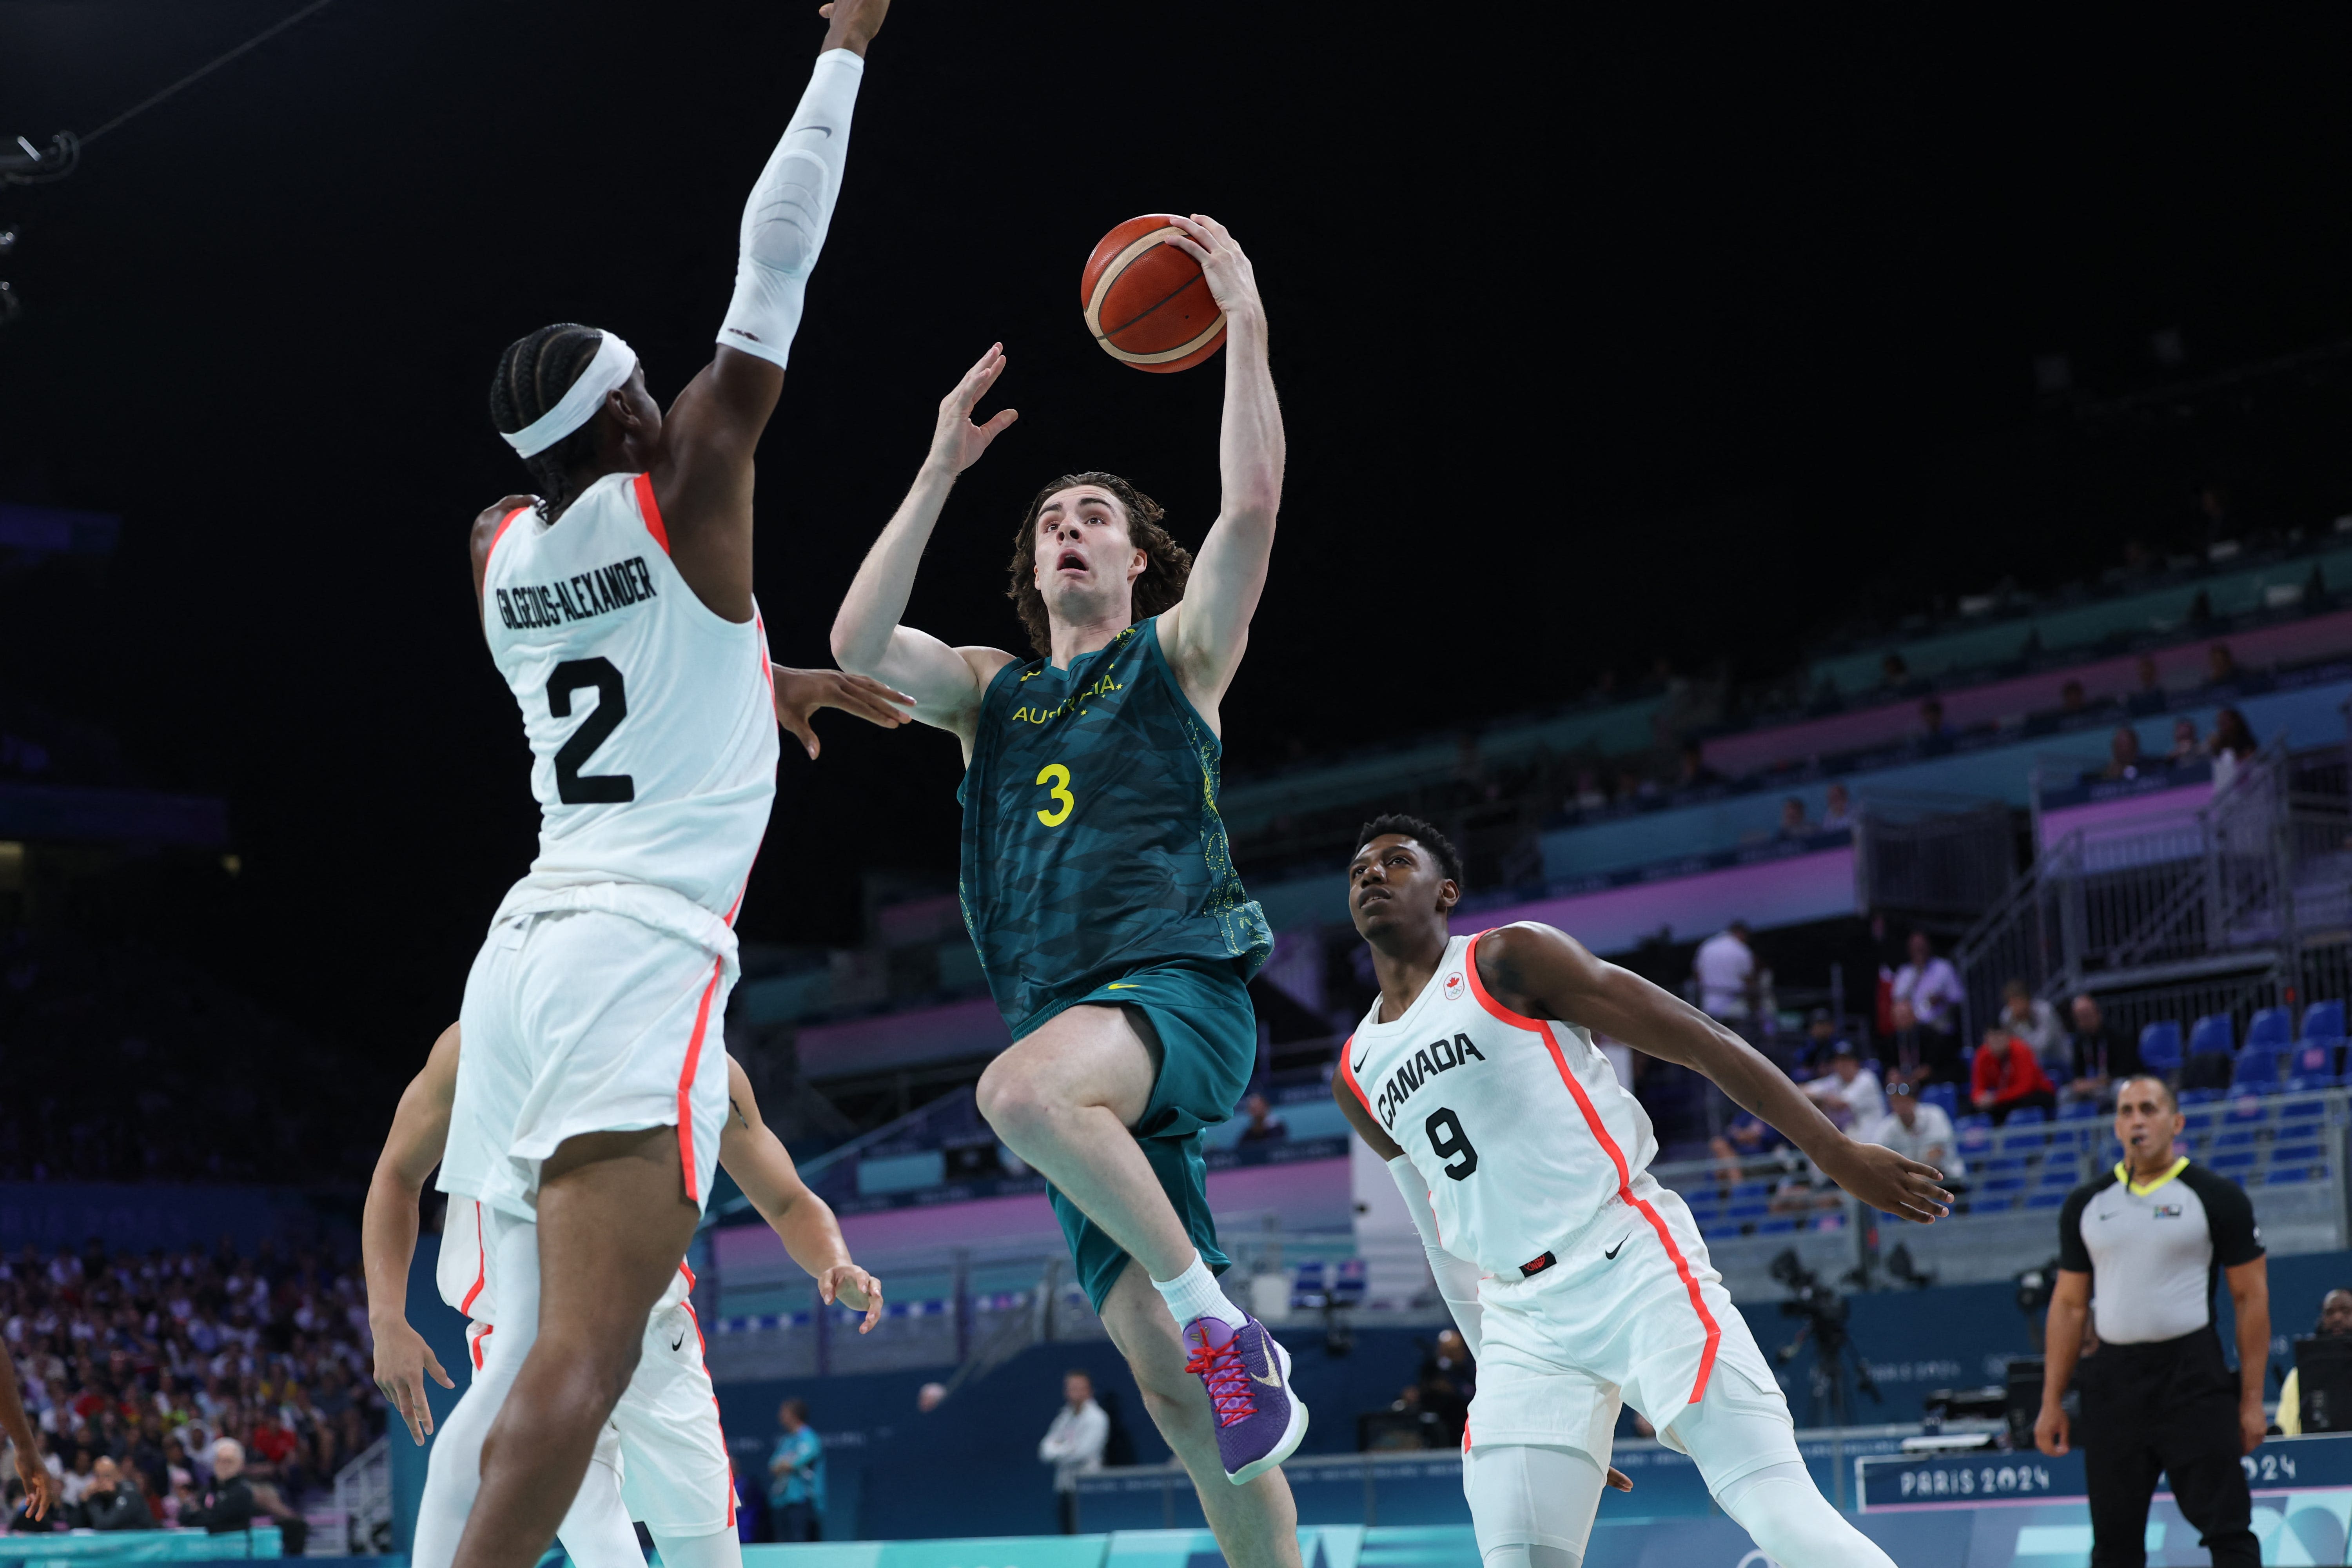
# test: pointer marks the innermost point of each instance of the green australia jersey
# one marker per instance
(1091, 840)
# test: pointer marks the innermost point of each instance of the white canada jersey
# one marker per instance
(651, 719)
(463, 1270)
(1518, 1125)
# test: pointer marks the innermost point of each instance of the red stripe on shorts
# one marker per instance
(686, 1084)
(1616, 1157)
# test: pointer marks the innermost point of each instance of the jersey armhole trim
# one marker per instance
(498, 533)
(1348, 1072)
(651, 512)
(1485, 998)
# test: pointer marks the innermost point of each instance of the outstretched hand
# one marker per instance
(801, 692)
(854, 23)
(1231, 277)
(853, 1288)
(1889, 1182)
(957, 443)
(402, 1360)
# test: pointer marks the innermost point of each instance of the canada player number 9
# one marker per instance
(1450, 1143)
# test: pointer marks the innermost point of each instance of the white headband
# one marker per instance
(615, 362)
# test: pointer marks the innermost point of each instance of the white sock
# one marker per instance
(1194, 1294)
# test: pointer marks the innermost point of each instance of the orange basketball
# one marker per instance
(1146, 301)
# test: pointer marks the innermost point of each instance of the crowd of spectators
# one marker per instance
(197, 1388)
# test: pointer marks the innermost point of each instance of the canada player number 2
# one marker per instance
(1450, 1143)
(597, 674)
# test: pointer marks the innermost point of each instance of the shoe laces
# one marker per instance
(1228, 1379)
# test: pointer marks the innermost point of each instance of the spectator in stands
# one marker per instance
(2220, 665)
(1746, 1138)
(2035, 1021)
(2007, 1079)
(225, 1504)
(1793, 818)
(1264, 1126)
(2185, 744)
(2070, 699)
(1837, 813)
(2335, 1322)
(2103, 1057)
(1935, 735)
(1073, 1443)
(114, 1501)
(1446, 1384)
(1927, 994)
(2231, 737)
(1894, 675)
(1918, 1132)
(1694, 772)
(1849, 1094)
(2149, 696)
(797, 1476)
(1822, 1042)
(1727, 982)
(1589, 794)
(2123, 754)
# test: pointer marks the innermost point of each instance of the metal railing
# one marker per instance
(1933, 856)
(364, 1497)
(2151, 900)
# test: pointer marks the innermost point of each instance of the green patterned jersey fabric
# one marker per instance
(1091, 840)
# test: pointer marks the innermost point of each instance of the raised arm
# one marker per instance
(420, 1128)
(702, 477)
(946, 683)
(1207, 633)
(803, 1221)
(1541, 973)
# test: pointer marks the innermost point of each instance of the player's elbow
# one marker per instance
(851, 650)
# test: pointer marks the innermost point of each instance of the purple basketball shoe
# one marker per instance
(1260, 1420)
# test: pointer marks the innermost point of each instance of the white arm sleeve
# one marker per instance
(790, 209)
(1457, 1280)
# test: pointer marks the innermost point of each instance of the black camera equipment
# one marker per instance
(1836, 1358)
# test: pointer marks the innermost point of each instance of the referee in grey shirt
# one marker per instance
(2152, 1234)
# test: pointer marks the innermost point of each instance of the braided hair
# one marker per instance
(534, 373)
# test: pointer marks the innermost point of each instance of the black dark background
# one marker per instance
(1696, 339)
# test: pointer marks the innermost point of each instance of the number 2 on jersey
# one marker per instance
(1058, 777)
(611, 707)
(1449, 1143)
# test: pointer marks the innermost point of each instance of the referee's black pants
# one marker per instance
(2170, 1408)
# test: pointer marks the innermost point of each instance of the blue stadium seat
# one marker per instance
(1946, 1095)
(1348, 1284)
(2014, 1182)
(2324, 1021)
(2200, 1096)
(1306, 1290)
(2297, 1110)
(2061, 1176)
(1979, 1122)
(2273, 1026)
(2257, 1071)
(2159, 1047)
(2296, 1154)
(2247, 1110)
(2311, 1064)
(2234, 1138)
(2234, 1160)
(2288, 1176)
(1719, 1232)
(2212, 1036)
(1756, 1209)
(2046, 1200)
(1779, 1226)
(2079, 1110)
(2027, 1115)
(2196, 1121)
(1751, 1189)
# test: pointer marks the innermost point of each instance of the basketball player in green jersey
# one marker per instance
(1097, 887)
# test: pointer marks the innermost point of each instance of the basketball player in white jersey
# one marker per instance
(662, 1458)
(593, 1089)
(1575, 1278)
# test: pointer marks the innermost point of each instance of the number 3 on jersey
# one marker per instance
(1057, 778)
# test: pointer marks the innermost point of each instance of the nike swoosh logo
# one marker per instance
(680, 1340)
(1265, 1345)
(1611, 1253)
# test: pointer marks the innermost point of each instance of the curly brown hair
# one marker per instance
(1169, 565)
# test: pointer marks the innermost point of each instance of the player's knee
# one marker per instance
(1009, 1101)
(1791, 1522)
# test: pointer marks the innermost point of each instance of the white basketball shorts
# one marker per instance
(1631, 1307)
(674, 1470)
(581, 1021)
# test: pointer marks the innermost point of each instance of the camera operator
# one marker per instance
(2335, 1322)
(2156, 1397)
